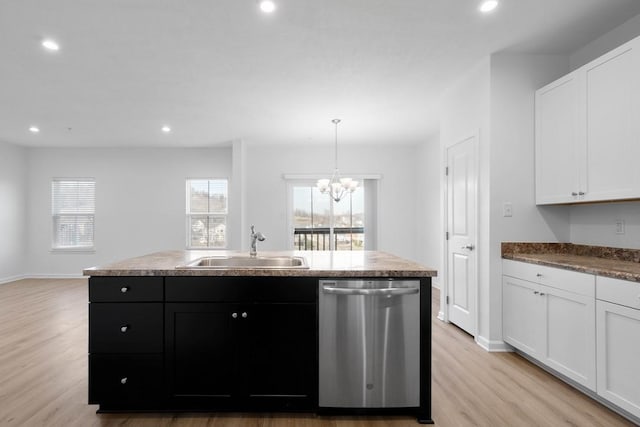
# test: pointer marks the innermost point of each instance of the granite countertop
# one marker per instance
(605, 261)
(321, 264)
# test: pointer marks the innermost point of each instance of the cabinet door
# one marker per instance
(613, 131)
(200, 348)
(560, 119)
(570, 344)
(522, 316)
(618, 332)
(279, 350)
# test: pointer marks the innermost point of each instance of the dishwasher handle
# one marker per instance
(373, 292)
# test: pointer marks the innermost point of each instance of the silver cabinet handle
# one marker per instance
(470, 247)
(538, 275)
(124, 289)
(124, 328)
(123, 380)
(573, 193)
(542, 293)
(358, 291)
(234, 315)
(580, 193)
(244, 314)
(536, 292)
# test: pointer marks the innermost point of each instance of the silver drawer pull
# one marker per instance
(124, 289)
(124, 328)
(244, 314)
(123, 380)
(357, 291)
(542, 293)
(536, 292)
(538, 275)
(234, 315)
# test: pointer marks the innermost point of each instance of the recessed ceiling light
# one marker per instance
(166, 129)
(50, 44)
(488, 6)
(267, 6)
(34, 129)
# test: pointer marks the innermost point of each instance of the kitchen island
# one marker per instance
(164, 336)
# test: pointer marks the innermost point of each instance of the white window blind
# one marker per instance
(207, 208)
(73, 205)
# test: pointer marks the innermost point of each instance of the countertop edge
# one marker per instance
(260, 273)
(532, 259)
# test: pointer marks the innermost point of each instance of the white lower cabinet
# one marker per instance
(552, 322)
(618, 337)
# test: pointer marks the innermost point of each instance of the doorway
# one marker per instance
(461, 279)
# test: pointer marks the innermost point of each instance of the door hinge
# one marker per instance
(446, 171)
(446, 235)
(447, 299)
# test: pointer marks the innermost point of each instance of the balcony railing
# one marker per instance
(317, 239)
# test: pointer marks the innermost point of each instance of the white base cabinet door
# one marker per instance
(522, 315)
(570, 335)
(618, 334)
(552, 322)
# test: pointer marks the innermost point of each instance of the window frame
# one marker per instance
(54, 215)
(371, 185)
(189, 215)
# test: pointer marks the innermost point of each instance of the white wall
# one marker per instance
(514, 80)
(266, 197)
(428, 217)
(13, 211)
(465, 112)
(140, 201)
(605, 43)
(496, 100)
(596, 224)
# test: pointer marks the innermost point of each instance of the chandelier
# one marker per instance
(336, 187)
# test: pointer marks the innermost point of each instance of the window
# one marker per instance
(207, 213)
(73, 205)
(318, 220)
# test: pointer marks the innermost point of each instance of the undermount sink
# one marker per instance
(282, 262)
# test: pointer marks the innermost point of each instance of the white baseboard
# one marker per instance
(435, 284)
(441, 315)
(493, 346)
(8, 279)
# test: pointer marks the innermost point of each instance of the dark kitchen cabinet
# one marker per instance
(244, 348)
(126, 343)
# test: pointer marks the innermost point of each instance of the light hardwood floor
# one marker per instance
(43, 377)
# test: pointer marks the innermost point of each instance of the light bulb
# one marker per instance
(166, 129)
(488, 6)
(34, 129)
(50, 44)
(267, 6)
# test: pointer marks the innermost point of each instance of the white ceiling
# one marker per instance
(219, 70)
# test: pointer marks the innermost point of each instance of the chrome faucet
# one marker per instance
(254, 240)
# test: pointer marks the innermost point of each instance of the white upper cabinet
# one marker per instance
(588, 131)
(559, 139)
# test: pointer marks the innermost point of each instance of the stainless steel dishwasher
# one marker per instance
(369, 343)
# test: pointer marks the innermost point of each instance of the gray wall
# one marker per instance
(13, 211)
(140, 201)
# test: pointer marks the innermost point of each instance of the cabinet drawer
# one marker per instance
(125, 328)
(125, 289)
(132, 381)
(566, 280)
(618, 291)
(241, 289)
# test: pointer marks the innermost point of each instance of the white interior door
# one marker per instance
(461, 228)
